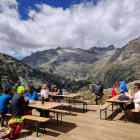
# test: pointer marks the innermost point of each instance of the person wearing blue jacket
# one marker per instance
(122, 86)
(31, 95)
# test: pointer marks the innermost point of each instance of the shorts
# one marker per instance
(130, 106)
(99, 94)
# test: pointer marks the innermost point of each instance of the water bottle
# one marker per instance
(42, 100)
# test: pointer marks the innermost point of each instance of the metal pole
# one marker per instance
(112, 110)
(36, 128)
(125, 111)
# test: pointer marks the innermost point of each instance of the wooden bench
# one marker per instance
(104, 108)
(57, 111)
(34, 118)
(83, 101)
(135, 111)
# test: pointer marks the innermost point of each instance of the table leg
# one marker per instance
(132, 117)
(54, 118)
(112, 110)
(139, 117)
(2, 120)
(74, 104)
(36, 128)
(105, 114)
(83, 106)
(125, 111)
(57, 119)
(69, 105)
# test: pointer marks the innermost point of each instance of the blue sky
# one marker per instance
(28, 26)
(25, 4)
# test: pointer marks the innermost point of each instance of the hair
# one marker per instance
(137, 84)
(116, 84)
(7, 89)
(31, 87)
(120, 80)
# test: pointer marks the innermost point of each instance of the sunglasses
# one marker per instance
(135, 87)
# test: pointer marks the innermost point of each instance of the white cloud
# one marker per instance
(82, 25)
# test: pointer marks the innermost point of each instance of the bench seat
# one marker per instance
(104, 107)
(34, 118)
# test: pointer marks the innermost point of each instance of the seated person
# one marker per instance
(44, 93)
(136, 101)
(31, 95)
(4, 101)
(98, 90)
(115, 89)
(18, 103)
(56, 91)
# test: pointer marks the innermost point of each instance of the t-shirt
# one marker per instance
(113, 92)
(32, 96)
(44, 93)
(4, 99)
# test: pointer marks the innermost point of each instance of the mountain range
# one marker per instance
(73, 68)
(108, 64)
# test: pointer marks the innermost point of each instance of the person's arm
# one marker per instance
(59, 93)
(117, 91)
(26, 95)
(35, 96)
(120, 88)
(22, 101)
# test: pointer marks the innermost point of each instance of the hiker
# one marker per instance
(124, 87)
(18, 102)
(31, 95)
(4, 101)
(98, 90)
(136, 101)
(56, 91)
(115, 89)
(44, 93)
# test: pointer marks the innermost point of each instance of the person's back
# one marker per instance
(123, 86)
(98, 89)
(18, 102)
(44, 91)
(4, 100)
(17, 105)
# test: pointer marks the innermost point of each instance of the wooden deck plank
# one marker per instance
(88, 126)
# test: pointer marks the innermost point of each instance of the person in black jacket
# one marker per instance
(17, 104)
(98, 90)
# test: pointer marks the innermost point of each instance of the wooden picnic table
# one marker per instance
(116, 100)
(69, 96)
(46, 105)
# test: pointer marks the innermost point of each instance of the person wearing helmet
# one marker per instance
(18, 102)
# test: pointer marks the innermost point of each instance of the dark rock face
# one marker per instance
(14, 73)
